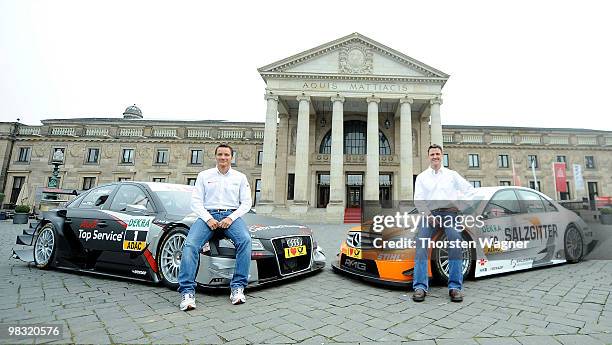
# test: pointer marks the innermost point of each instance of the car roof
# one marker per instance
(487, 192)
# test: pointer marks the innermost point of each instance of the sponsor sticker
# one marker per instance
(295, 251)
(135, 235)
(354, 253)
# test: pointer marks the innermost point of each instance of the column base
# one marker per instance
(299, 206)
(264, 207)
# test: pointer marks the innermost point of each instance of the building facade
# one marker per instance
(348, 123)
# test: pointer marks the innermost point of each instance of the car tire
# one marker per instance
(439, 262)
(45, 246)
(573, 244)
(169, 256)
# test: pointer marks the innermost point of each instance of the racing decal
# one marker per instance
(96, 235)
(531, 232)
(354, 253)
(295, 251)
(135, 235)
(485, 267)
(259, 227)
(367, 267)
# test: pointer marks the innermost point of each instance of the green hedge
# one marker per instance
(22, 209)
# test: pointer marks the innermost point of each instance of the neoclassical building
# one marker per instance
(347, 123)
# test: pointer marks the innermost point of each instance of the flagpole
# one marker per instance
(555, 181)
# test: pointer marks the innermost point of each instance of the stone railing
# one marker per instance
(586, 140)
(501, 139)
(558, 140)
(447, 138)
(608, 141)
(164, 132)
(198, 133)
(472, 138)
(355, 159)
(231, 134)
(258, 134)
(96, 132)
(530, 139)
(29, 130)
(65, 131)
(130, 132)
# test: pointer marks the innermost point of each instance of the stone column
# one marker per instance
(372, 159)
(336, 171)
(269, 156)
(436, 122)
(406, 166)
(281, 163)
(300, 202)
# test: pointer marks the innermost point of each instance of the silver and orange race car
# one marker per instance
(543, 233)
(137, 230)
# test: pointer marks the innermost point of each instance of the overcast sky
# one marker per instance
(519, 63)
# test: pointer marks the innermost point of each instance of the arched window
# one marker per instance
(355, 140)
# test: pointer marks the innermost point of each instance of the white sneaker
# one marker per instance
(188, 302)
(237, 296)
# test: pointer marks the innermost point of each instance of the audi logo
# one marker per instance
(294, 241)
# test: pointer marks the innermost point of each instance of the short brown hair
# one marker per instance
(225, 145)
(434, 146)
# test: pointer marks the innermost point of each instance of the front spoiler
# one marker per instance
(385, 282)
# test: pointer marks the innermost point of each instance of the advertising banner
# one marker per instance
(578, 180)
(560, 177)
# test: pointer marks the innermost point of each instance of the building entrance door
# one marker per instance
(354, 197)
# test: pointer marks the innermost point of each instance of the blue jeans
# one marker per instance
(420, 279)
(200, 234)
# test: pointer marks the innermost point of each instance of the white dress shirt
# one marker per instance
(214, 190)
(440, 189)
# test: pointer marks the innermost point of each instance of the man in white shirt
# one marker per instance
(221, 197)
(436, 193)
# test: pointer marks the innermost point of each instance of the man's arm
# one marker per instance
(463, 185)
(419, 197)
(245, 200)
(197, 199)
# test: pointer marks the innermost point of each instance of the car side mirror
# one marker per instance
(136, 208)
(486, 214)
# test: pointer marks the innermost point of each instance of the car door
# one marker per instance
(537, 228)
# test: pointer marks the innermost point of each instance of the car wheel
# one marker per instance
(45, 246)
(573, 244)
(440, 262)
(169, 258)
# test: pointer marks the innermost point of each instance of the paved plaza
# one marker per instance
(566, 304)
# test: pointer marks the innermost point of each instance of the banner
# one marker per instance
(516, 180)
(578, 180)
(560, 177)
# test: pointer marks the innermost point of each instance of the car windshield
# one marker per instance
(175, 202)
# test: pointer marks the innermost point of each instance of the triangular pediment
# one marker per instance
(356, 55)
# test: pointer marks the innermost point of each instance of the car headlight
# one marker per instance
(256, 244)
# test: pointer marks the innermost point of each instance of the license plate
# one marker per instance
(295, 251)
(354, 253)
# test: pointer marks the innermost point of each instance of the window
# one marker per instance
(92, 155)
(532, 201)
(127, 156)
(97, 197)
(24, 155)
(161, 157)
(18, 182)
(122, 179)
(502, 161)
(355, 140)
(475, 183)
(196, 156)
(548, 206)
(532, 185)
(532, 160)
(504, 183)
(589, 162)
(89, 183)
(561, 159)
(159, 179)
(473, 160)
(130, 194)
(290, 186)
(445, 160)
(259, 157)
(257, 191)
(234, 158)
(503, 203)
(191, 181)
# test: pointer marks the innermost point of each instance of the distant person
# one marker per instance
(221, 197)
(439, 188)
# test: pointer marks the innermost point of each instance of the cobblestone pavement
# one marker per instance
(566, 304)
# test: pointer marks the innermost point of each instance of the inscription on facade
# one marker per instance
(352, 86)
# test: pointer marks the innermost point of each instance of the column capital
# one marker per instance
(436, 100)
(268, 96)
(283, 115)
(337, 98)
(373, 99)
(302, 97)
(408, 100)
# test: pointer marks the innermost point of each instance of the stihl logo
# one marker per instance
(89, 224)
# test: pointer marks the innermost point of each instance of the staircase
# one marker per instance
(352, 215)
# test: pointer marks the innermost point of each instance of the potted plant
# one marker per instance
(2, 213)
(22, 214)
(606, 215)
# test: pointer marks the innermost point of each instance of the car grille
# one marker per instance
(295, 264)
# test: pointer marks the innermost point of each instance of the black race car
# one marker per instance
(137, 230)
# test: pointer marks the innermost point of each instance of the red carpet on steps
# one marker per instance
(352, 215)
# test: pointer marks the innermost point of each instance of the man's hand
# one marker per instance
(212, 223)
(225, 223)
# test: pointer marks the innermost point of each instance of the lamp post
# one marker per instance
(58, 159)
